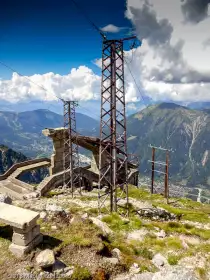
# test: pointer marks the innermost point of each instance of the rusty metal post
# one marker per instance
(166, 175)
(153, 170)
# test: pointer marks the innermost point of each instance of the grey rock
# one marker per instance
(175, 273)
(43, 215)
(134, 269)
(68, 271)
(54, 208)
(45, 258)
(103, 226)
(159, 261)
(58, 267)
(161, 234)
(143, 276)
(85, 216)
(116, 253)
(113, 261)
(138, 234)
(5, 199)
(31, 195)
(156, 214)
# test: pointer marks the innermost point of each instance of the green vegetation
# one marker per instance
(117, 224)
(193, 214)
(143, 194)
(173, 259)
(81, 273)
(81, 234)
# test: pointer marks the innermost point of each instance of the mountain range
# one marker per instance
(23, 131)
(185, 131)
(171, 126)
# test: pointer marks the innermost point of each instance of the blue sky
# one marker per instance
(53, 36)
(51, 42)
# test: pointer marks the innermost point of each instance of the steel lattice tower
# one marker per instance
(71, 163)
(113, 173)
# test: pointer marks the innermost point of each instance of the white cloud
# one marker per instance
(80, 84)
(111, 28)
(172, 62)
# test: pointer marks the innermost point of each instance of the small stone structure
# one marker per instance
(87, 142)
(26, 232)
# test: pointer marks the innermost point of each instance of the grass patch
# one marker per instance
(195, 215)
(81, 234)
(175, 227)
(143, 194)
(173, 259)
(201, 273)
(81, 273)
(117, 224)
(88, 198)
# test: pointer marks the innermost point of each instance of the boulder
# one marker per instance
(45, 258)
(5, 199)
(138, 234)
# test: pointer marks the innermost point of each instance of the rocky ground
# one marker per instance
(159, 241)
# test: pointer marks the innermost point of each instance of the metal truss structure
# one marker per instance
(113, 173)
(71, 162)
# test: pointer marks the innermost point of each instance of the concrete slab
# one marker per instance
(20, 251)
(17, 217)
(24, 239)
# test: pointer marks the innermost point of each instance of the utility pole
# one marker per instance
(113, 140)
(71, 163)
(165, 173)
(153, 170)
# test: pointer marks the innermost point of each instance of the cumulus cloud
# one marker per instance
(173, 64)
(156, 31)
(195, 10)
(80, 84)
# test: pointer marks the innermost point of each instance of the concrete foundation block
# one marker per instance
(24, 239)
(20, 251)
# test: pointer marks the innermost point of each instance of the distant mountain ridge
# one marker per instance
(185, 131)
(23, 131)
